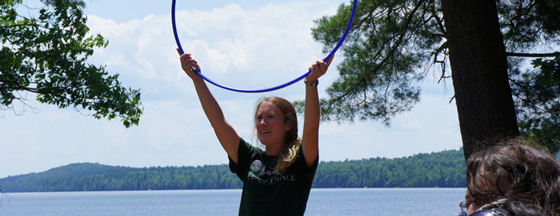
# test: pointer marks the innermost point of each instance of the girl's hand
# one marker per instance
(188, 63)
(318, 69)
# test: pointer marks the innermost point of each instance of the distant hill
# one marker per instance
(440, 169)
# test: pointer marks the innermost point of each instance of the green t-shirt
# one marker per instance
(264, 193)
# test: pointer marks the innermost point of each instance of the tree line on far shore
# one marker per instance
(440, 169)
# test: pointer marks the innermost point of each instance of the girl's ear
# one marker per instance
(287, 126)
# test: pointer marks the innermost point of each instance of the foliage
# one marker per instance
(380, 65)
(526, 25)
(96, 177)
(394, 44)
(538, 98)
(80, 3)
(442, 169)
(48, 56)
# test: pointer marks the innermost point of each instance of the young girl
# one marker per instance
(515, 177)
(276, 181)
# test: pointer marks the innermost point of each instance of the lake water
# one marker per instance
(370, 201)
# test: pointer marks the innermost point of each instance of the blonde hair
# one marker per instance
(289, 151)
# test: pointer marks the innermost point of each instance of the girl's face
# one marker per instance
(487, 184)
(270, 125)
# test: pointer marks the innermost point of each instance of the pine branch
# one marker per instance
(533, 55)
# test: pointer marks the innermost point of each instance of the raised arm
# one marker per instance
(224, 131)
(310, 137)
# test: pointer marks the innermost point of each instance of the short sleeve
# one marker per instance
(244, 153)
(308, 172)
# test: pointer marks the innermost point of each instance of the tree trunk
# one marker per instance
(479, 72)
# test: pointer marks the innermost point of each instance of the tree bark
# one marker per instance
(478, 62)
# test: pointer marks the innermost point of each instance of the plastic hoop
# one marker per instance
(266, 89)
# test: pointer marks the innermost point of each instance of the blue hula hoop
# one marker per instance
(266, 89)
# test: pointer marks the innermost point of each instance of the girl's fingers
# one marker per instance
(320, 67)
(329, 60)
(188, 61)
(188, 55)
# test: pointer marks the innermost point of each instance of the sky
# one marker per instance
(248, 44)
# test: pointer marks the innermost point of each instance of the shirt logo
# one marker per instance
(256, 166)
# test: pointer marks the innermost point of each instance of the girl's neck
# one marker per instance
(273, 150)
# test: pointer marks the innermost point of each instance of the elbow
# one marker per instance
(311, 131)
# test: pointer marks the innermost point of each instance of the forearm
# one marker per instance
(311, 112)
(310, 137)
(227, 136)
(209, 104)
(224, 131)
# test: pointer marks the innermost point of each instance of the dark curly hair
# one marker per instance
(519, 170)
